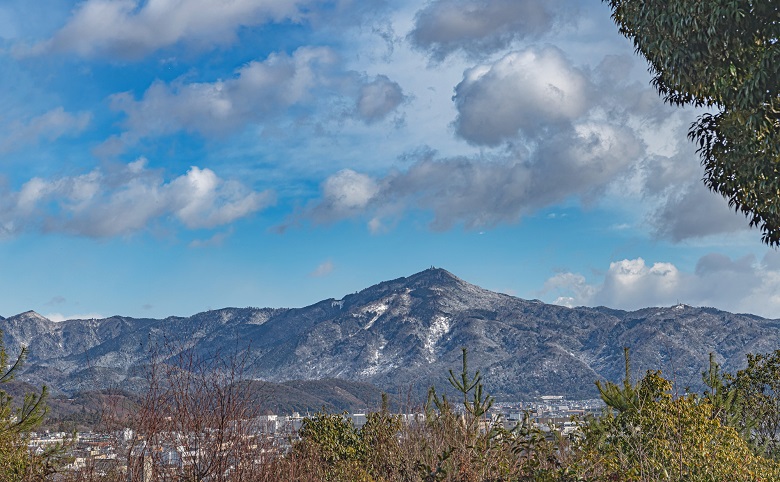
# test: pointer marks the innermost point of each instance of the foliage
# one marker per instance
(443, 444)
(724, 55)
(370, 453)
(758, 386)
(16, 461)
(465, 443)
(380, 434)
(647, 434)
(726, 401)
(334, 436)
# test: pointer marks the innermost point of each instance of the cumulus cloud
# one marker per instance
(555, 132)
(574, 287)
(130, 29)
(49, 126)
(479, 27)
(258, 92)
(378, 98)
(479, 193)
(557, 146)
(122, 201)
(551, 132)
(738, 285)
(630, 282)
(536, 99)
(345, 194)
(693, 211)
(526, 92)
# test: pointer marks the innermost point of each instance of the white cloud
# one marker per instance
(479, 27)
(49, 126)
(738, 285)
(632, 283)
(527, 91)
(549, 131)
(131, 29)
(693, 211)
(573, 285)
(122, 201)
(259, 92)
(324, 269)
(566, 134)
(378, 98)
(345, 194)
(481, 193)
(200, 199)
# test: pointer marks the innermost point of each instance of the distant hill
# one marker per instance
(86, 410)
(309, 396)
(401, 336)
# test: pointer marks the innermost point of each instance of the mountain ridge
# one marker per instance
(401, 335)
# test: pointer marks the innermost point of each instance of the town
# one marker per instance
(267, 436)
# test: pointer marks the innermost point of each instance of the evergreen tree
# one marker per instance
(16, 421)
(648, 434)
(758, 386)
(726, 401)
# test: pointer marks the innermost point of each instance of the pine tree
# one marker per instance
(16, 462)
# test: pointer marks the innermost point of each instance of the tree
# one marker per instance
(758, 386)
(16, 462)
(336, 447)
(723, 55)
(340, 451)
(194, 422)
(726, 401)
(648, 434)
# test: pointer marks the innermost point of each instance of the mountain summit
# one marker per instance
(401, 335)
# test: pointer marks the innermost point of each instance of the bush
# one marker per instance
(647, 434)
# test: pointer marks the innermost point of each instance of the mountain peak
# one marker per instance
(31, 315)
(435, 275)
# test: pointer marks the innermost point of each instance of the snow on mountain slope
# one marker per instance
(402, 335)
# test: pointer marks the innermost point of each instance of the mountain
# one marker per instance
(402, 336)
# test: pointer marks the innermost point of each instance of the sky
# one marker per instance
(166, 157)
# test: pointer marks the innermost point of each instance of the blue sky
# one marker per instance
(164, 157)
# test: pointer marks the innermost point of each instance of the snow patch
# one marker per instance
(378, 309)
(378, 363)
(439, 328)
(258, 318)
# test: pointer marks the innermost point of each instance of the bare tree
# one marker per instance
(196, 421)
